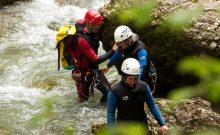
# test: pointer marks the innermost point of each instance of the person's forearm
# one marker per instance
(104, 57)
(153, 107)
(116, 56)
(157, 115)
(111, 103)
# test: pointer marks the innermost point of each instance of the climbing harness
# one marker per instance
(95, 82)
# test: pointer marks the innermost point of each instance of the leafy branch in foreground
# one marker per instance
(208, 70)
(140, 14)
(46, 114)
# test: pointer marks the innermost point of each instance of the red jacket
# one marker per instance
(86, 48)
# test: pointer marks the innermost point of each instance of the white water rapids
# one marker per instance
(28, 70)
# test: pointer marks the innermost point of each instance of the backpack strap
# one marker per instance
(58, 48)
(76, 44)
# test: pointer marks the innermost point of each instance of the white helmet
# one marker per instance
(122, 32)
(130, 66)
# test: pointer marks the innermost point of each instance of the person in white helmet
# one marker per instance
(129, 46)
(128, 97)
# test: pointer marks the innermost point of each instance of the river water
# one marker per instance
(28, 71)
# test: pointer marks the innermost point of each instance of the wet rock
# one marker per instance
(54, 26)
(95, 127)
(4, 131)
(166, 49)
(188, 116)
(67, 2)
(8, 2)
(196, 115)
(79, 3)
(213, 45)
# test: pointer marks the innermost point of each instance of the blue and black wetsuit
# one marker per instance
(129, 103)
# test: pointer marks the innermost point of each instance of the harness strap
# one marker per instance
(154, 88)
(58, 48)
(94, 83)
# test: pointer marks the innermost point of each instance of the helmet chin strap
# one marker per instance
(124, 76)
(128, 42)
(89, 27)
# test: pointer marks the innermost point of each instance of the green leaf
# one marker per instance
(68, 129)
(140, 15)
(126, 128)
(131, 129)
(214, 90)
(181, 93)
(47, 112)
(204, 67)
(218, 9)
(208, 132)
(181, 19)
(208, 70)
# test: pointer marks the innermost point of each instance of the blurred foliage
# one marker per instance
(174, 131)
(178, 21)
(218, 9)
(125, 129)
(140, 15)
(47, 112)
(3, 122)
(208, 70)
(208, 132)
(68, 129)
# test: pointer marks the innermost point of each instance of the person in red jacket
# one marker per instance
(86, 53)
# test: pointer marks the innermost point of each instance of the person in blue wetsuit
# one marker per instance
(128, 97)
(129, 46)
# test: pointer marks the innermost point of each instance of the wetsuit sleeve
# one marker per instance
(116, 56)
(90, 53)
(104, 57)
(153, 107)
(142, 58)
(111, 103)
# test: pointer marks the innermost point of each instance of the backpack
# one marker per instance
(150, 73)
(63, 37)
(150, 69)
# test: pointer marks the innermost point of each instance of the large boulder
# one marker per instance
(200, 39)
(187, 116)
